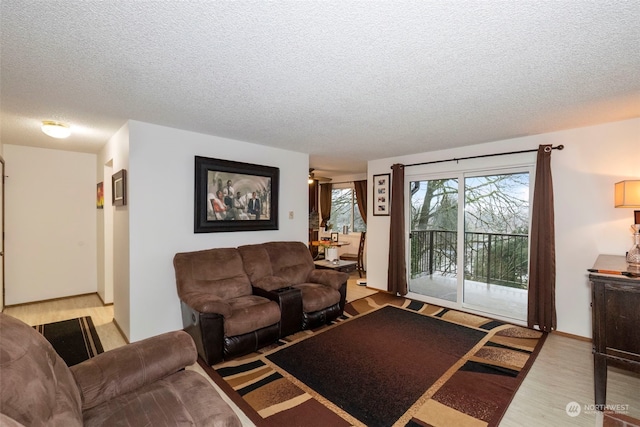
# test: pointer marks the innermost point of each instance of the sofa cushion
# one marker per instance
(250, 313)
(290, 260)
(181, 399)
(217, 271)
(317, 297)
(37, 386)
(256, 261)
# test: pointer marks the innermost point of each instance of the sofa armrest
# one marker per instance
(289, 300)
(271, 283)
(132, 366)
(332, 278)
(205, 302)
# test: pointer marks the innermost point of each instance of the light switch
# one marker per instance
(290, 214)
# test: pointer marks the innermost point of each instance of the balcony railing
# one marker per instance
(491, 258)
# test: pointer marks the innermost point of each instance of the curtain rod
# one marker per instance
(559, 147)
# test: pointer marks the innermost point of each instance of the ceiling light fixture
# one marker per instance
(55, 129)
(312, 178)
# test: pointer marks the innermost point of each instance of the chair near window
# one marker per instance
(359, 257)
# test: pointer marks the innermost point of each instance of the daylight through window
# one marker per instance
(344, 210)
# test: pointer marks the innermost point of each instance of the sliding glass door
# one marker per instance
(469, 241)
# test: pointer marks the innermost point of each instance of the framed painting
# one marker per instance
(100, 195)
(235, 196)
(119, 188)
(381, 194)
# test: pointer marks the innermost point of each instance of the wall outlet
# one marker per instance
(290, 214)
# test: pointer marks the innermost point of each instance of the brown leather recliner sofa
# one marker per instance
(237, 300)
(138, 384)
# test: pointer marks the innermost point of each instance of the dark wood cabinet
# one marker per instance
(616, 320)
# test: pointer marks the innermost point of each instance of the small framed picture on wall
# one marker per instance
(381, 194)
(100, 196)
(119, 188)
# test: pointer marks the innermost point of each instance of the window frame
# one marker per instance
(347, 186)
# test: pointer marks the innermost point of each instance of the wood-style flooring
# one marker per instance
(562, 373)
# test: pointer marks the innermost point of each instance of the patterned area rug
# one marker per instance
(75, 340)
(389, 361)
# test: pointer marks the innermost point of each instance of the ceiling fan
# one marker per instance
(312, 177)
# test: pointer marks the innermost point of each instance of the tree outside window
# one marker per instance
(344, 210)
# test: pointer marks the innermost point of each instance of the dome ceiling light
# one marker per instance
(55, 129)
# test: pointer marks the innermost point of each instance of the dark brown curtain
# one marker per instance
(325, 203)
(397, 273)
(361, 198)
(542, 277)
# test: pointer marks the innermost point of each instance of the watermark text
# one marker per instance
(573, 409)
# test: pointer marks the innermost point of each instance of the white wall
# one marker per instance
(586, 222)
(104, 224)
(115, 153)
(49, 223)
(1, 231)
(161, 203)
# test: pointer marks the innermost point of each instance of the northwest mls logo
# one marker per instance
(573, 409)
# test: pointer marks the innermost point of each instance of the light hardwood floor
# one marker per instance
(562, 373)
(355, 291)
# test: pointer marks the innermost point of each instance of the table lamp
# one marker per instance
(627, 195)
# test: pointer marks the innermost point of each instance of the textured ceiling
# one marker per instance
(344, 81)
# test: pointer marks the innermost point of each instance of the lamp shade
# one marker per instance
(627, 194)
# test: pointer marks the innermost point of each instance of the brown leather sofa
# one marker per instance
(237, 300)
(138, 384)
(219, 309)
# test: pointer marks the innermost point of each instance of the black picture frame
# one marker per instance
(216, 212)
(119, 188)
(381, 194)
